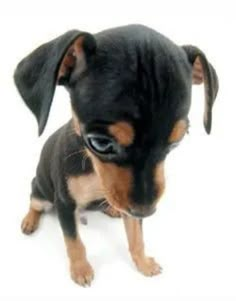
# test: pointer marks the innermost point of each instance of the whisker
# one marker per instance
(102, 204)
(84, 161)
(71, 134)
(75, 153)
(70, 130)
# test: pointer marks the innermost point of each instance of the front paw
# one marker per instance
(147, 266)
(82, 273)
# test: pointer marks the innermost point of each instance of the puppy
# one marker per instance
(130, 91)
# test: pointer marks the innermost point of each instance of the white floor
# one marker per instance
(192, 234)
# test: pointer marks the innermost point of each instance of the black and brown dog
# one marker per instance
(130, 90)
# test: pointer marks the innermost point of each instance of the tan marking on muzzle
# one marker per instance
(160, 179)
(123, 132)
(178, 131)
(115, 181)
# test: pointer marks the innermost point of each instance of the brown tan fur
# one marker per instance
(84, 189)
(144, 264)
(40, 205)
(197, 79)
(178, 131)
(197, 72)
(74, 56)
(115, 181)
(160, 179)
(67, 62)
(31, 221)
(123, 132)
(81, 271)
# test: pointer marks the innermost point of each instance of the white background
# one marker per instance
(192, 235)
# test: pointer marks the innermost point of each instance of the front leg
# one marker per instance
(146, 265)
(81, 270)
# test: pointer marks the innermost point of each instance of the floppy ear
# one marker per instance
(36, 75)
(203, 71)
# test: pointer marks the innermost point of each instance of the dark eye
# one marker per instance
(101, 144)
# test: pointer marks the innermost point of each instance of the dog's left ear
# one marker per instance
(37, 75)
(203, 71)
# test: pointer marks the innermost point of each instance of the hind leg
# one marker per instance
(31, 220)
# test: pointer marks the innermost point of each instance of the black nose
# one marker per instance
(141, 212)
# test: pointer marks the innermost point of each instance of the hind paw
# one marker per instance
(30, 222)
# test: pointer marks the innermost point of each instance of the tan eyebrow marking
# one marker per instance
(178, 131)
(123, 132)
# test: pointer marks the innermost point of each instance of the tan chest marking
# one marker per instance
(84, 189)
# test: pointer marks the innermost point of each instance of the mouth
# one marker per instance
(137, 213)
(141, 213)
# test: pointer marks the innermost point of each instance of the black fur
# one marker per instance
(132, 73)
(43, 64)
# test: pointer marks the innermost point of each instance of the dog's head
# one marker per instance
(130, 92)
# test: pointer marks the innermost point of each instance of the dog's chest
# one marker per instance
(84, 189)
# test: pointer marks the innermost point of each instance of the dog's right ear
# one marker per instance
(52, 63)
(203, 72)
